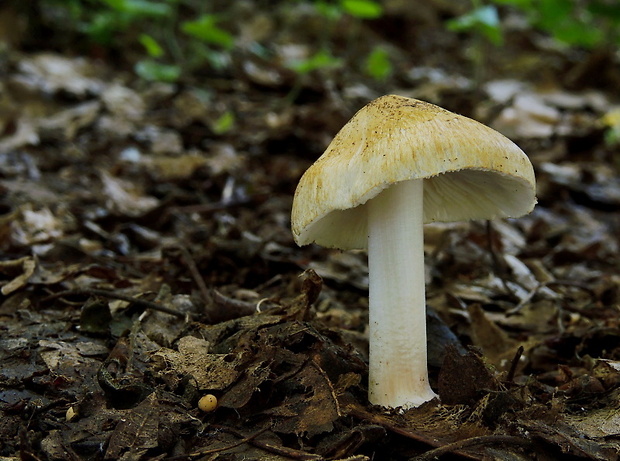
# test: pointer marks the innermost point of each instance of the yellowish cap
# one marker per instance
(470, 170)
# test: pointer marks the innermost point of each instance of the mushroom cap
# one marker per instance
(470, 171)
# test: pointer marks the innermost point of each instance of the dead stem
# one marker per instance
(540, 286)
(193, 269)
(513, 365)
(251, 439)
(112, 295)
(200, 453)
(471, 442)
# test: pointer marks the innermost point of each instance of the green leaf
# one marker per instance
(483, 20)
(104, 27)
(362, 9)
(569, 24)
(224, 123)
(140, 7)
(205, 28)
(553, 12)
(378, 64)
(118, 5)
(328, 10)
(320, 60)
(574, 33)
(586, 24)
(610, 11)
(155, 71)
(153, 48)
(523, 4)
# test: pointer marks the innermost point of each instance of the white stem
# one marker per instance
(398, 374)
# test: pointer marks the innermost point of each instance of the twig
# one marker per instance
(568, 283)
(513, 365)
(113, 295)
(540, 286)
(357, 411)
(524, 301)
(285, 451)
(219, 205)
(272, 281)
(251, 439)
(193, 269)
(471, 442)
(226, 308)
(200, 453)
(239, 307)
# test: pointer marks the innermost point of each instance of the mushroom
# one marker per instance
(397, 164)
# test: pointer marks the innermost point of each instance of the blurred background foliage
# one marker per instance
(172, 40)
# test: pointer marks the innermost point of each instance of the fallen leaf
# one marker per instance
(28, 268)
(464, 378)
(65, 125)
(122, 197)
(123, 102)
(210, 371)
(175, 168)
(51, 73)
(495, 343)
(311, 406)
(36, 226)
(136, 432)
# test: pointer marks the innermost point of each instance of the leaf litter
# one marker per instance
(147, 261)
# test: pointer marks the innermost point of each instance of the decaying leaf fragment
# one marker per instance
(313, 408)
(463, 379)
(277, 368)
(598, 424)
(210, 371)
(27, 265)
(122, 199)
(494, 342)
(37, 226)
(52, 73)
(136, 432)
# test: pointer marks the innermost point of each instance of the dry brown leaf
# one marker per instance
(123, 102)
(52, 73)
(496, 345)
(122, 197)
(210, 371)
(36, 226)
(28, 265)
(175, 168)
(136, 432)
(65, 125)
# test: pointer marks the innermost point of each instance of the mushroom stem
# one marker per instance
(398, 374)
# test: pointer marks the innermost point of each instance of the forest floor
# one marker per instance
(147, 260)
